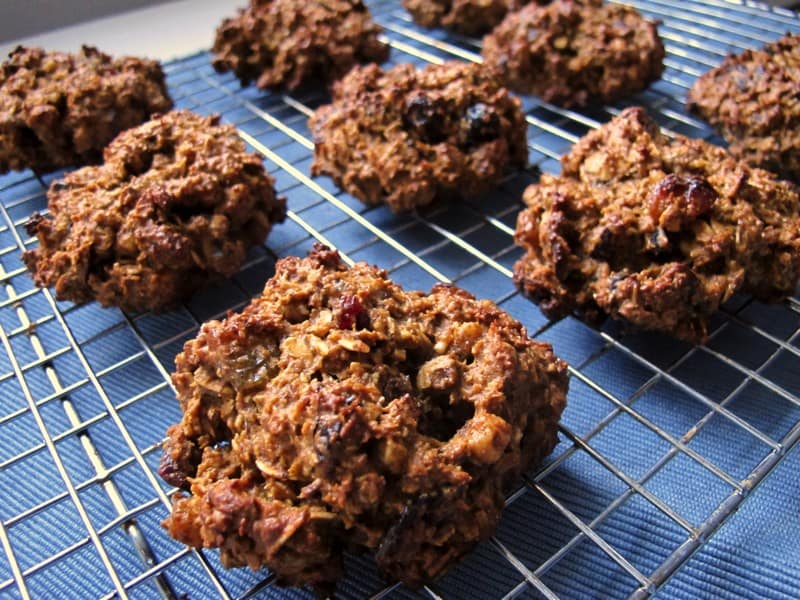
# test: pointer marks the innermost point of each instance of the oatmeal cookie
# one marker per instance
(177, 202)
(655, 232)
(753, 100)
(284, 43)
(59, 110)
(576, 53)
(408, 137)
(339, 412)
(470, 17)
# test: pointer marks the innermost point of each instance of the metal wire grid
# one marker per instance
(660, 436)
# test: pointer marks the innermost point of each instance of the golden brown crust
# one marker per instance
(284, 43)
(408, 137)
(752, 99)
(59, 109)
(177, 202)
(576, 53)
(655, 232)
(338, 412)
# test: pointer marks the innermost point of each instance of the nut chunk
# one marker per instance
(284, 43)
(576, 52)
(656, 232)
(177, 203)
(338, 411)
(753, 100)
(408, 137)
(59, 110)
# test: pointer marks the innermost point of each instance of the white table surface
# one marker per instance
(161, 32)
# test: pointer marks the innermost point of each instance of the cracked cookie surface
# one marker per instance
(285, 43)
(408, 137)
(752, 99)
(576, 53)
(338, 412)
(469, 17)
(654, 231)
(177, 202)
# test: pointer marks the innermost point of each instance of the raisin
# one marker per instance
(422, 118)
(604, 247)
(32, 224)
(171, 472)
(395, 385)
(479, 124)
(677, 200)
(700, 196)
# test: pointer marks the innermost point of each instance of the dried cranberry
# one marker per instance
(679, 199)
(351, 310)
(171, 472)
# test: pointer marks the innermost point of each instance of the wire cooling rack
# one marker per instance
(661, 441)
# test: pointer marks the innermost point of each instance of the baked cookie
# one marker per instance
(576, 53)
(655, 232)
(59, 110)
(408, 137)
(283, 43)
(339, 412)
(470, 17)
(753, 100)
(177, 202)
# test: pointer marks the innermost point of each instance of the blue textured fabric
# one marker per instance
(756, 554)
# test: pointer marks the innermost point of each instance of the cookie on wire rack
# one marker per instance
(407, 137)
(576, 52)
(655, 232)
(177, 203)
(59, 110)
(339, 412)
(285, 43)
(753, 100)
(469, 17)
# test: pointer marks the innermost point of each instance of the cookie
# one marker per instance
(177, 203)
(752, 100)
(656, 232)
(408, 137)
(59, 110)
(469, 17)
(285, 43)
(576, 53)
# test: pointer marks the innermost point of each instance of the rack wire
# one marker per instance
(662, 441)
